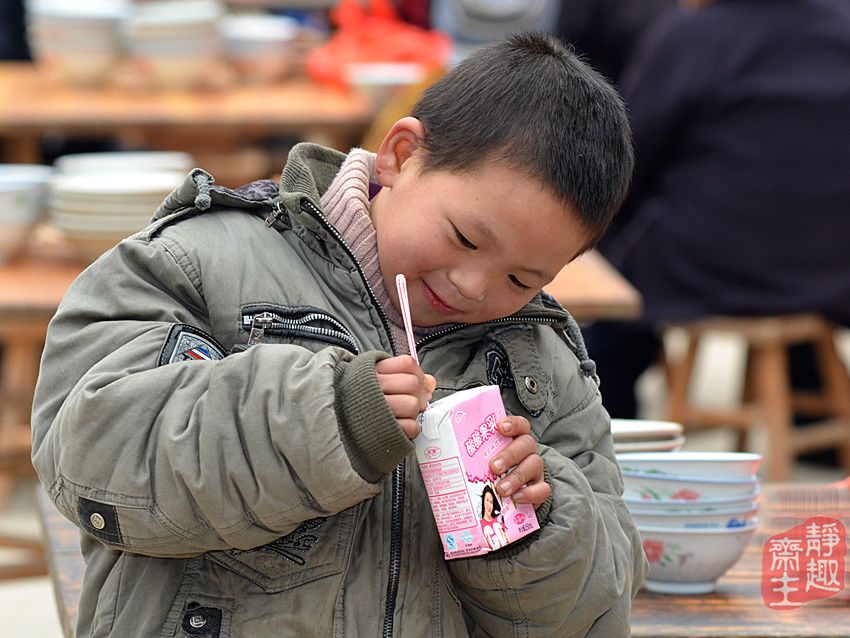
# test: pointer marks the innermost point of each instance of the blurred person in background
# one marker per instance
(603, 32)
(606, 32)
(740, 202)
(13, 39)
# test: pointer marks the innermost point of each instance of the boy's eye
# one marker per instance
(516, 282)
(463, 240)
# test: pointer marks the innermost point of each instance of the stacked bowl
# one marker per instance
(695, 512)
(23, 191)
(261, 47)
(174, 43)
(79, 42)
(97, 199)
(636, 435)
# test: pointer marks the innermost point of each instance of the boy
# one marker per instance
(219, 412)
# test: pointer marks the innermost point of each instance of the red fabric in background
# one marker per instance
(415, 12)
(375, 34)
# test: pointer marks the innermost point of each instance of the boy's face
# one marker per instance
(474, 246)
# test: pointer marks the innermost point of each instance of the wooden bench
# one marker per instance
(767, 398)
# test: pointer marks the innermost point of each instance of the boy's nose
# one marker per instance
(471, 285)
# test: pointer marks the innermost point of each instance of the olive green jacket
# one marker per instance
(208, 414)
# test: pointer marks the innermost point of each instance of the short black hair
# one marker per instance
(530, 101)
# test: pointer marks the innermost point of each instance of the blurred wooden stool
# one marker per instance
(20, 346)
(768, 398)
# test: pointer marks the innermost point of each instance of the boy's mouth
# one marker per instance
(436, 302)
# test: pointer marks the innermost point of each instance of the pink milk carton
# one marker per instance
(459, 438)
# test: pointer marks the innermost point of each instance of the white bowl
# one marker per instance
(124, 162)
(119, 185)
(643, 430)
(25, 174)
(378, 81)
(654, 487)
(738, 465)
(23, 195)
(706, 504)
(689, 561)
(80, 67)
(260, 47)
(660, 445)
(698, 519)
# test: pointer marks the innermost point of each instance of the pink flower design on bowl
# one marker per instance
(654, 550)
(686, 495)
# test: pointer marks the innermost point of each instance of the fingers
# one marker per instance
(403, 376)
(403, 364)
(410, 427)
(523, 444)
(525, 482)
(406, 390)
(430, 383)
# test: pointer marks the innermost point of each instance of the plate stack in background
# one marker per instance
(98, 199)
(635, 435)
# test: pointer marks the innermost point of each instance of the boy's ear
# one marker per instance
(398, 146)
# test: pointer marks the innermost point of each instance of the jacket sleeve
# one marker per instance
(577, 576)
(193, 456)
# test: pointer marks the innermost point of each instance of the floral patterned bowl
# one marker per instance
(698, 518)
(729, 465)
(637, 505)
(654, 487)
(689, 561)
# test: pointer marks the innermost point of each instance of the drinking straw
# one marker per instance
(404, 306)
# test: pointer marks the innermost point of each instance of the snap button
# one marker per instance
(97, 521)
(531, 385)
(197, 621)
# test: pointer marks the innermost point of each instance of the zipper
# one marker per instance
(398, 486)
(309, 322)
(541, 319)
(398, 483)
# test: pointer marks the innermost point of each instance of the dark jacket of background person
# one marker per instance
(606, 32)
(13, 40)
(741, 196)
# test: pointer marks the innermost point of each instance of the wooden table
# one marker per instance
(32, 105)
(591, 288)
(736, 608)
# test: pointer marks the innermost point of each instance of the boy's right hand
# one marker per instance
(407, 390)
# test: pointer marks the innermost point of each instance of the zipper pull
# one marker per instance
(276, 213)
(259, 323)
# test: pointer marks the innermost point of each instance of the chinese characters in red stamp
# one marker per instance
(804, 563)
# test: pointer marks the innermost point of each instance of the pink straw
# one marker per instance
(404, 306)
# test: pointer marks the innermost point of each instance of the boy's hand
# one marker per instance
(525, 483)
(407, 390)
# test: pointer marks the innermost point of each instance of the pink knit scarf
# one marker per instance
(346, 205)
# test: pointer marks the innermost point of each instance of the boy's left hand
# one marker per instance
(525, 483)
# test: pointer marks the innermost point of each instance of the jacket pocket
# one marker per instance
(268, 323)
(315, 549)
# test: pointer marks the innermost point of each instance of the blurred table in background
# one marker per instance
(32, 105)
(736, 608)
(591, 288)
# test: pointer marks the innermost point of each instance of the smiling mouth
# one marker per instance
(435, 302)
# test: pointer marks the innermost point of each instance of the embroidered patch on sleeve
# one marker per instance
(186, 343)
